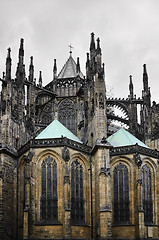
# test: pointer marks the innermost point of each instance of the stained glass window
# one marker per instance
(67, 115)
(77, 202)
(49, 199)
(121, 194)
(147, 195)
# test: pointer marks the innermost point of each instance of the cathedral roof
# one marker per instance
(57, 130)
(123, 138)
(69, 69)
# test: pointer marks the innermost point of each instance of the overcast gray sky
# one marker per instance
(128, 30)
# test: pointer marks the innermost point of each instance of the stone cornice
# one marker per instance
(54, 142)
(134, 149)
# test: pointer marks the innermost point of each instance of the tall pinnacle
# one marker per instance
(8, 64)
(92, 44)
(131, 88)
(31, 70)
(54, 69)
(98, 46)
(78, 66)
(145, 78)
(40, 79)
(20, 73)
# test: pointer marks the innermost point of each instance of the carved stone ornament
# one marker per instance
(65, 154)
(137, 159)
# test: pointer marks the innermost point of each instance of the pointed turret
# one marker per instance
(8, 65)
(55, 70)
(31, 70)
(131, 88)
(78, 66)
(40, 79)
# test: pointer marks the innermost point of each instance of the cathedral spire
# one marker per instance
(8, 65)
(31, 70)
(55, 70)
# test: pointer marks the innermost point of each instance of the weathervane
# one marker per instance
(70, 49)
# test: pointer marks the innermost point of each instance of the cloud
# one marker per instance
(128, 31)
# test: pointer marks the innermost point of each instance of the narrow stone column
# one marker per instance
(140, 209)
(105, 204)
(1, 208)
(67, 207)
(25, 224)
(27, 200)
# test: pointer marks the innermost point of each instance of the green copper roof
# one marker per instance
(123, 138)
(57, 130)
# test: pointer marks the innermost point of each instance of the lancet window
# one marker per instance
(49, 198)
(77, 201)
(67, 115)
(147, 194)
(121, 194)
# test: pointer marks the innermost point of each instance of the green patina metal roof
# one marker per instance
(57, 130)
(123, 138)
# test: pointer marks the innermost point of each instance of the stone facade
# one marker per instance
(58, 188)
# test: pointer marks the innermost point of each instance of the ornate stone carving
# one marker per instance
(65, 154)
(137, 159)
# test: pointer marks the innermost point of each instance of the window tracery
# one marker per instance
(121, 194)
(77, 201)
(49, 198)
(67, 115)
(147, 194)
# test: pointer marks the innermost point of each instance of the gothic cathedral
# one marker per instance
(66, 170)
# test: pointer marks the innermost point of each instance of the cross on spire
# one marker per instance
(70, 48)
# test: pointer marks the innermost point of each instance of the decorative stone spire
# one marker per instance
(78, 66)
(131, 88)
(98, 46)
(8, 65)
(40, 79)
(20, 74)
(145, 78)
(146, 91)
(92, 45)
(31, 70)
(55, 70)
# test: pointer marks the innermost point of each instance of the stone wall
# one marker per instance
(8, 202)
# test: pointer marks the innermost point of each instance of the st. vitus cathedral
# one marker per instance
(66, 170)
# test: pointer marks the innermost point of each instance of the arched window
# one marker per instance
(147, 195)
(77, 202)
(67, 115)
(49, 199)
(121, 194)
